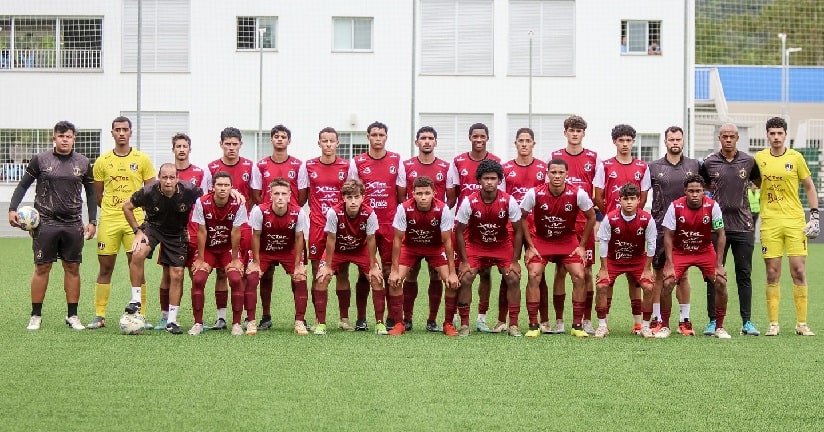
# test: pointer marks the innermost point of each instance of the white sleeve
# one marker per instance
(452, 177)
(584, 202)
(303, 223)
(241, 217)
(331, 222)
(372, 224)
(646, 183)
(598, 180)
(256, 219)
(604, 233)
(502, 185)
(353, 170)
(669, 218)
(464, 211)
(197, 213)
(717, 217)
(257, 180)
(447, 220)
(514, 210)
(303, 177)
(400, 180)
(528, 203)
(399, 223)
(651, 237)
(206, 183)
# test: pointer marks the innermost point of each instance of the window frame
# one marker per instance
(553, 38)
(45, 45)
(274, 38)
(650, 28)
(352, 20)
(647, 146)
(348, 148)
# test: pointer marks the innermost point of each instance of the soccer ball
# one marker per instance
(28, 218)
(132, 324)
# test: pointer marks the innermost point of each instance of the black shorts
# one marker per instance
(660, 257)
(175, 247)
(53, 240)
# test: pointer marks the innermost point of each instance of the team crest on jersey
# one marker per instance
(76, 172)
(208, 216)
(513, 174)
(292, 174)
(340, 175)
(392, 169)
(367, 170)
(39, 254)
(545, 207)
(502, 214)
(341, 226)
(101, 245)
(742, 174)
(245, 177)
(268, 224)
(291, 225)
(588, 166)
(705, 220)
(661, 174)
(478, 214)
(133, 167)
(540, 175)
(640, 231)
(617, 230)
(362, 226)
(568, 207)
(413, 174)
(439, 177)
(182, 208)
(637, 176)
(412, 222)
(681, 219)
(314, 174)
(788, 166)
(434, 222)
(230, 216)
(193, 181)
(613, 174)
(266, 174)
(464, 172)
(312, 249)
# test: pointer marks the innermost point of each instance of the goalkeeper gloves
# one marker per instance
(812, 230)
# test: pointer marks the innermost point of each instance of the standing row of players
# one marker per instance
(486, 195)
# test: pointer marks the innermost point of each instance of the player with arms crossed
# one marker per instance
(782, 222)
(279, 227)
(689, 225)
(555, 207)
(627, 246)
(423, 230)
(118, 174)
(350, 238)
(219, 217)
(487, 217)
(60, 174)
(167, 203)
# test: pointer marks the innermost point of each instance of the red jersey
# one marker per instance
(380, 178)
(219, 221)
(423, 228)
(463, 174)
(580, 171)
(245, 177)
(270, 170)
(351, 233)
(324, 182)
(277, 233)
(628, 239)
(518, 179)
(611, 175)
(437, 171)
(692, 229)
(487, 225)
(555, 216)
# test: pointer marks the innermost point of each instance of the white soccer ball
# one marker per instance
(28, 218)
(132, 324)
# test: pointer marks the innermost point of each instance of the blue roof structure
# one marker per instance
(762, 83)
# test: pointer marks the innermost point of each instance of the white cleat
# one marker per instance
(34, 322)
(74, 322)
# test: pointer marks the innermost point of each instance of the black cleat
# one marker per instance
(407, 324)
(265, 323)
(173, 328)
(133, 308)
(361, 325)
(432, 326)
(220, 324)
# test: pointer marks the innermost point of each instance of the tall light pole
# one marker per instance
(259, 138)
(529, 121)
(785, 74)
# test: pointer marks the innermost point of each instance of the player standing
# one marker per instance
(782, 222)
(118, 174)
(60, 174)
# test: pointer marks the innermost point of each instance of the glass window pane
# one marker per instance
(270, 37)
(343, 33)
(637, 36)
(245, 33)
(363, 33)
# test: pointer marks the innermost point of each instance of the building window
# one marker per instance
(17, 146)
(549, 133)
(457, 37)
(156, 132)
(166, 33)
(352, 34)
(552, 24)
(641, 37)
(50, 42)
(453, 132)
(248, 36)
(255, 145)
(647, 147)
(352, 144)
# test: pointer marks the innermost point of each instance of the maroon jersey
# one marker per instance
(277, 233)
(436, 170)
(464, 169)
(423, 228)
(487, 225)
(692, 229)
(380, 178)
(628, 239)
(518, 179)
(245, 177)
(324, 182)
(218, 221)
(580, 171)
(555, 216)
(270, 170)
(350, 233)
(614, 174)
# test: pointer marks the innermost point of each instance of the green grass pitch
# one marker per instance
(58, 379)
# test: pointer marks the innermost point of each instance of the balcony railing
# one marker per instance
(48, 59)
(12, 172)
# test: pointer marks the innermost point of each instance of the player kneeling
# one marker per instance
(423, 230)
(278, 238)
(688, 227)
(350, 238)
(625, 234)
(555, 207)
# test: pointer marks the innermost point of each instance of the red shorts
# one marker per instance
(704, 261)
(482, 258)
(411, 255)
(633, 270)
(217, 259)
(245, 252)
(590, 246)
(558, 259)
(358, 259)
(317, 242)
(384, 239)
(285, 259)
(549, 252)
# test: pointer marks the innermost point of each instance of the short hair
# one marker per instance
(181, 136)
(673, 129)
(230, 132)
(478, 126)
(280, 181)
(63, 126)
(694, 178)
(628, 190)
(352, 187)
(575, 122)
(429, 129)
(121, 119)
(525, 130)
(557, 161)
(167, 165)
(489, 166)
(222, 174)
(328, 129)
(423, 181)
(376, 124)
(623, 130)
(280, 128)
(777, 122)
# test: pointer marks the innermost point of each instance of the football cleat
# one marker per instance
(709, 330)
(558, 328)
(499, 327)
(546, 327)
(74, 322)
(636, 329)
(534, 331)
(398, 329)
(663, 333)
(449, 329)
(265, 323)
(773, 329)
(161, 325)
(34, 322)
(133, 308)
(720, 333)
(748, 329)
(320, 329)
(463, 330)
(587, 325)
(220, 324)
(196, 329)
(361, 325)
(656, 325)
(514, 331)
(380, 329)
(251, 328)
(237, 329)
(601, 332)
(173, 328)
(97, 322)
(685, 328)
(300, 328)
(578, 332)
(432, 326)
(345, 325)
(407, 325)
(646, 332)
(802, 329)
(482, 327)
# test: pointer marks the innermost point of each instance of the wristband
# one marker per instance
(814, 212)
(135, 229)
